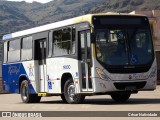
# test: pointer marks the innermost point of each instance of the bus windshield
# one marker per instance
(124, 42)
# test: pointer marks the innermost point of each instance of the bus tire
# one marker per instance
(63, 98)
(69, 93)
(26, 96)
(120, 96)
(37, 98)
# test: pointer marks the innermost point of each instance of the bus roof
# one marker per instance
(57, 24)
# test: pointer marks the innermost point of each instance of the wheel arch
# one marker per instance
(64, 78)
(21, 79)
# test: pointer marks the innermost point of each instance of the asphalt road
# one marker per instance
(143, 101)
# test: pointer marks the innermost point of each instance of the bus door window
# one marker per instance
(40, 57)
(85, 45)
(82, 38)
(40, 51)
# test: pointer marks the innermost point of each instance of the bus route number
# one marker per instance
(66, 67)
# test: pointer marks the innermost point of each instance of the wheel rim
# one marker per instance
(71, 92)
(24, 92)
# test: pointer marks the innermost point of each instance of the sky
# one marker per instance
(30, 1)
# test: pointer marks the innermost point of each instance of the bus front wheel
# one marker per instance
(26, 96)
(69, 93)
(120, 96)
(63, 98)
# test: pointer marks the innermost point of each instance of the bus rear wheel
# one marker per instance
(69, 93)
(26, 96)
(120, 96)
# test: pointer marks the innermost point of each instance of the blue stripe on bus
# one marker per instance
(10, 77)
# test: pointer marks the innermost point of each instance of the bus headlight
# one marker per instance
(153, 72)
(101, 74)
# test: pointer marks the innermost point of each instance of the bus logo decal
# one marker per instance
(130, 77)
(30, 70)
(13, 69)
(76, 74)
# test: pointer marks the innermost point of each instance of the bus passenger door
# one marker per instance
(85, 57)
(40, 62)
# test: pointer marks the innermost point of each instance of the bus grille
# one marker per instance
(124, 85)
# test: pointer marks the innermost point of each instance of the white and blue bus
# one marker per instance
(94, 54)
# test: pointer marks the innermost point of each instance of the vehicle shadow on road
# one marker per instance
(131, 101)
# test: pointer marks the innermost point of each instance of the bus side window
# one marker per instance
(66, 41)
(62, 41)
(5, 52)
(73, 43)
(50, 44)
(57, 38)
(26, 53)
(14, 51)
